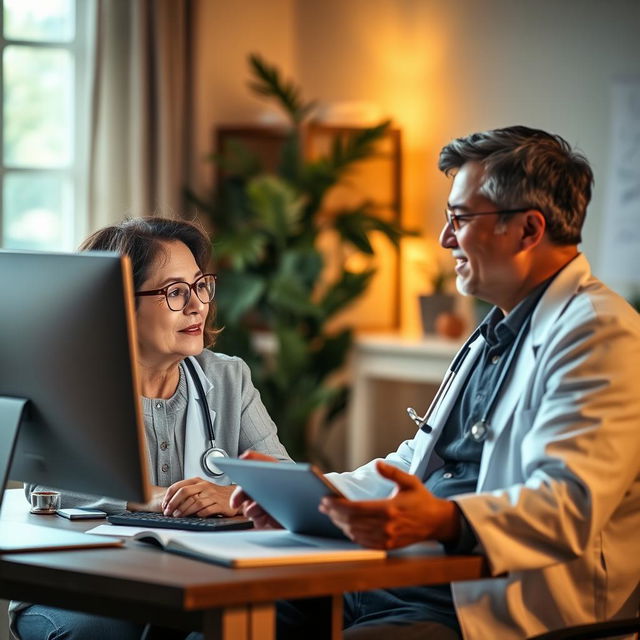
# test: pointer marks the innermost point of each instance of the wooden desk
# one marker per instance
(389, 357)
(142, 583)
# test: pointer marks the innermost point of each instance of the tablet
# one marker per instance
(288, 491)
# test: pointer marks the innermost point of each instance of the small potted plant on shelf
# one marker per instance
(440, 300)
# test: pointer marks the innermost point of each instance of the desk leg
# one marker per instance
(337, 612)
(253, 622)
(258, 621)
(262, 622)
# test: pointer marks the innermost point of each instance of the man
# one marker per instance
(537, 434)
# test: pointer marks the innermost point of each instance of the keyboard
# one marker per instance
(191, 523)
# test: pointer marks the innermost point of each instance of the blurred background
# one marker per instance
(124, 107)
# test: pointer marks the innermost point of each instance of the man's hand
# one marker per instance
(411, 514)
(250, 508)
(195, 496)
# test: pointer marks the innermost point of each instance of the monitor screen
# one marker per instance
(68, 346)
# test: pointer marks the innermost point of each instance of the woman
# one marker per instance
(173, 292)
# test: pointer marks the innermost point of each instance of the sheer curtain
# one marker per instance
(139, 110)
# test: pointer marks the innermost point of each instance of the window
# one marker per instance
(44, 112)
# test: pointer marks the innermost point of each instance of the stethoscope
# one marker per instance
(480, 430)
(209, 456)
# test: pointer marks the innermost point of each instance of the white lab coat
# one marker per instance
(557, 509)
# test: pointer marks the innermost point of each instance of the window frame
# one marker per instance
(77, 171)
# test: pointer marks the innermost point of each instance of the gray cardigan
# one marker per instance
(241, 423)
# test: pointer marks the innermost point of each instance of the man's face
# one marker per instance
(485, 249)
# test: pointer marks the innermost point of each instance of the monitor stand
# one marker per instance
(22, 537)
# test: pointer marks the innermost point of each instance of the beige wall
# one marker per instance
(225, 34)
(441, 69)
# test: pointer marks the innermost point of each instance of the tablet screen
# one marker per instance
(288, 491)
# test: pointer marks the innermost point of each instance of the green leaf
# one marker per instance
(287, 294)
(291, 161)
(304, 264)
(332, 353)
(236, 294)
(349, 149)
(231, 209)
(240, 249)
(319, 176)
(268, 82)
(238, 160)
(345, 291)
(277, 205)
(355, 226)
(293, 356)
(196, 200)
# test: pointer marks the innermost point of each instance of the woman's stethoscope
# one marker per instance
(207, 459)
(480, 430)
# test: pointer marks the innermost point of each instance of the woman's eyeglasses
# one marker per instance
(178, 294)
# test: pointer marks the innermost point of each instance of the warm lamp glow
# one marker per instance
(421, 263)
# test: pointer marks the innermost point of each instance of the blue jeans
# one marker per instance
(409, 613)
(368, 616)
(38, 622)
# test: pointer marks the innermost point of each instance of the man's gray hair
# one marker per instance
(529, 168)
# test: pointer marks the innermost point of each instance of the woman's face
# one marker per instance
(165, 337)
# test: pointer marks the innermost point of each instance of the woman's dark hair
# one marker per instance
(141, 240)
(529, 168)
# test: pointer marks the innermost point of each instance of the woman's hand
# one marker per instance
(195, 496)
(249, 507)
(154, 504)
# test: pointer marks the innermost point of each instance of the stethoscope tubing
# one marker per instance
(481, 428)
(423, 422)
(211, 451)
(207, 416)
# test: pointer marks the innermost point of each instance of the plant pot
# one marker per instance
(432, 306)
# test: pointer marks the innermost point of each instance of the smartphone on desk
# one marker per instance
(81, 514)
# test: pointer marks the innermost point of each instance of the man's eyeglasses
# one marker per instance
(456, 219)
(178, 294)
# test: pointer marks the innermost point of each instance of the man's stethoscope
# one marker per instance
(479, 430)
(208, 458)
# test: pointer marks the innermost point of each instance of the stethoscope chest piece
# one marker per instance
(479, 431)
(212, 453)
(208, 461)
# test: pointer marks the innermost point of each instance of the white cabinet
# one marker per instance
(390, 358)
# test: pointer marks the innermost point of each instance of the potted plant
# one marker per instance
(440, 299)
(266, 228)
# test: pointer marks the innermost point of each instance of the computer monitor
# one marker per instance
(68, 358)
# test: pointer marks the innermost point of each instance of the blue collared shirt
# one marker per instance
(461, 454)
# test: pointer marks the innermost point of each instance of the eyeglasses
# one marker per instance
(455, 219)
(178, 294)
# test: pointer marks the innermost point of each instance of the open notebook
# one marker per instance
(248, 548)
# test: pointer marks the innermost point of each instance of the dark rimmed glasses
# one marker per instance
(455, 219)
(178, 294)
